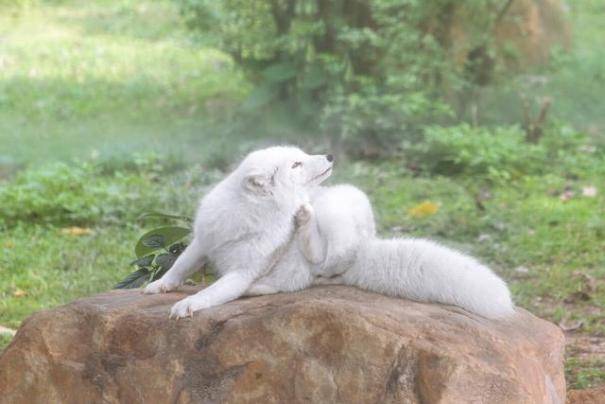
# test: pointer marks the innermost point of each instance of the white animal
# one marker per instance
(244, 225)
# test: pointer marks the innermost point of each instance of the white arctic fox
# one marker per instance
(269, 227)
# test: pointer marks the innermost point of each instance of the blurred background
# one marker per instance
(479, 123)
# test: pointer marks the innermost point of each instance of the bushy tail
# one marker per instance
(426, 271)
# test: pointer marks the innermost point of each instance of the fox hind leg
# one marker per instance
(310, 241)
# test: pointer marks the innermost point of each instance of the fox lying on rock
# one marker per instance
(270, 227)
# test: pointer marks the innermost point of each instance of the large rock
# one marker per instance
(323, 345)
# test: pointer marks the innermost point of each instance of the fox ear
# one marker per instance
(257, 184)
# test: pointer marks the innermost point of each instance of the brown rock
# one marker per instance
(322, 345)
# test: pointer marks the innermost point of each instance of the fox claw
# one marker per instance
(304, 214)
(159, 286)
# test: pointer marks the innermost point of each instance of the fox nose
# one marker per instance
(330, 158)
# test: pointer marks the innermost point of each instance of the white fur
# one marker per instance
(269, 227)
(244, 224)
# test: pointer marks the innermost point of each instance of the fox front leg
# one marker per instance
(229, 287)
(309, 240)
(260, 289)
(188, 262)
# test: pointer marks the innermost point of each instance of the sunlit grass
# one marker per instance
(107, 78)
(65, 267)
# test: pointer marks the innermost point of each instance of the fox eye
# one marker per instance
(297, 164)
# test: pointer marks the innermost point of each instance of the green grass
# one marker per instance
(64, 268)
(521, 223)
(112, 77)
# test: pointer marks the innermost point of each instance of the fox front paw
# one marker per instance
(304, 214)
(187, 306)
(160, 286)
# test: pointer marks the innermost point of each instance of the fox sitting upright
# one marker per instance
(270, 227)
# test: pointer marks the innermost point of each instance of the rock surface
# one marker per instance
(322, 345)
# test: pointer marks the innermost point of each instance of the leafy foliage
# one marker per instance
(367, 69)
(498, 155)
(159, 238)
(79, 193)
(501, 154)
(156, 251)
(58, 194)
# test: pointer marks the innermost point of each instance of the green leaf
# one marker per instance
(177, 248)
(159, 238)
(165, 261)
(154, 241)
(143, 261)
(157, 274)
(279, 72)
(134, 280)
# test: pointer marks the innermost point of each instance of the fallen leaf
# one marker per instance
(6, 330)
(589, 283)
(579, 296)
(566, 196)
(76, 231)
(9, 244)
(423, 209)
(570, 325)
(19, 293)
(589, 191)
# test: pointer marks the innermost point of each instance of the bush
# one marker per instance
(370, 69)
(497, 154)
(58, 194)
(86, 193)
(502, 153)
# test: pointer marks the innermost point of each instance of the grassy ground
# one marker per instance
(107, 82)
(548, 248)
(105, 78)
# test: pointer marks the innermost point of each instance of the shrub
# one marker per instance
(370, 69)
(497, 154)
(86, 193)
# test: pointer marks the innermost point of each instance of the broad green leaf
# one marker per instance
(177, 248)
(157, 274)
(135, 279)
(143, 261)
(159, 238)
(165, 261)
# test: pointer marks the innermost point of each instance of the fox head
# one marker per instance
(283, 171)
